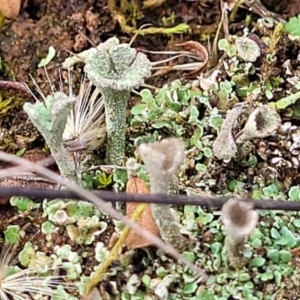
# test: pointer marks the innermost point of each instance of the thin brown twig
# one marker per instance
(107, 196)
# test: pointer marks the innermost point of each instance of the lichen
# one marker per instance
(162, 159)
(50, 118)
(240, 219)
(115, 72)
(224, 147)
(247, 49)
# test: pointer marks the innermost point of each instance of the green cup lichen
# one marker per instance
(115, 72)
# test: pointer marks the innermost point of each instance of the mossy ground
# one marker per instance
(269, 169)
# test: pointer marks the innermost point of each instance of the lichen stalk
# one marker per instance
(50, 118)
(162, 159)
(115, 69)
(115, 110)
(240, 219)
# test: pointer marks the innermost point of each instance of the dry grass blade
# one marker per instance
(114, 253)
(192, 50)
(85, 128)
(17, 284)
(198, 50)
(85, 194)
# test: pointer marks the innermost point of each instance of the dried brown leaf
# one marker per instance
(136, 185)
(152, 3)
(10, 8)
(14, 87)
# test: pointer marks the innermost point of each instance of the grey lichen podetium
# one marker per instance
(239, 219)
(115, 71)
(162, 159)
(224, 146)
(262, 122)
(49, 117)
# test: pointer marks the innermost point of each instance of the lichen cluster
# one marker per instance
(231, 132)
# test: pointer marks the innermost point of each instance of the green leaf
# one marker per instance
(243, 277)
(125, 296)
(256, 243)
(293, 26)
(256, 234)
(297, 85)
(162, 124)
(104, 180)
(296, 223)
(286, 270)
(194, 114)
(216, 248)
(23, 203)
(207, 152)
(269, 94)
(273, 254)
(275, 234)
(205, 218)
(21, 152)
(224, 45)
(161, 272)
(207, 295)
(26, 254)
(235, 185)
(146, 279)
(190, 288)
(12, 233)
(286, 101)
(88, 181)
(287, 238)
(201, 167)
(148, 98)
(266, 276)
(277, 277)
(172, 102)
(215, 121)
(45, 61)
(140, 109)
(285, 256)
(198, 132)
(190, 256)
(257, 262)
(48, 227)
(294, 193)
(272, 190)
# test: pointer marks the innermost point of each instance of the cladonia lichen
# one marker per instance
(224, 146)
(262, 122)
(162, 159)
(115, 71)
(49, 117)
(239, 219)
